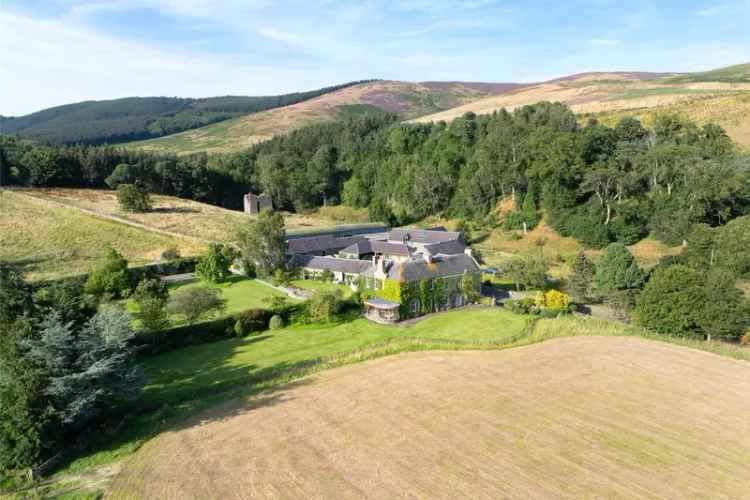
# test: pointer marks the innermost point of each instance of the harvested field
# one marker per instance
(584, 417)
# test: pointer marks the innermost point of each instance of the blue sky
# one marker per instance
(60, 51)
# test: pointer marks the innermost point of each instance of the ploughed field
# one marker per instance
(577, 417)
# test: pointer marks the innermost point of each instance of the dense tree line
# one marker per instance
(133, 118)
(220, 180)
(595, 183)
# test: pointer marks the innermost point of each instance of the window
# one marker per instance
(415, 306)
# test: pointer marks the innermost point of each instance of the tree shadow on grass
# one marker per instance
(174, 210)
(187, 401)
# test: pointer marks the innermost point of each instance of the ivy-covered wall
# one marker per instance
(433, 294)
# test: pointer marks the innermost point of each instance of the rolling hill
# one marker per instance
(410, 100)
(720, 96)
(132, 118)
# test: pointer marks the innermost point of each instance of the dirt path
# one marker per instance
(582, 417)
(101, 215)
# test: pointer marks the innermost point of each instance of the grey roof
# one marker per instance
(425, 236)
(389, 248)
(415, 270)
(452, 247)
(359, 248)
(381, 303)
(348, 266)
(322, 243)
(382, 247)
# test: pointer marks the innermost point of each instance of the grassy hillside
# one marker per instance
(189, 218)
(739, 73)
(408, 99)
(731, 111)
(720, 96)
(131, 118)
(50, 242)
(48, 233)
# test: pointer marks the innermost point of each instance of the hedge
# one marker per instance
(153, 343)
(176, 266)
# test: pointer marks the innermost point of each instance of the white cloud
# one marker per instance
(47, 63)
(604, 42)
(710, 11)
(281, 36)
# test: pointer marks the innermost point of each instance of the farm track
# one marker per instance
(105, 216)
(568, 418)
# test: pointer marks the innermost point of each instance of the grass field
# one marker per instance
(240, 294)
(50, 242)
(586, 417)
(182, 374)
(187, 381)
(187, 217)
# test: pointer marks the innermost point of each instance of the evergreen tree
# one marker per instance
(581, 282)
(617, 270)
(678, 300)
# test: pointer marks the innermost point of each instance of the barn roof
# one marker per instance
(333, 264)
(424, 236)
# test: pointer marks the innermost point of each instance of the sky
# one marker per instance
(55, 52)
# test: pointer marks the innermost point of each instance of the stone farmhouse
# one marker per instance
(406, 272)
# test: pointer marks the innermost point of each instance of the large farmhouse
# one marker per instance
(408, 272)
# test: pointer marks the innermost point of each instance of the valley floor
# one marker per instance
(569, 418)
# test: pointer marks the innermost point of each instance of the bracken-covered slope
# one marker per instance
(408, 99)
(720, 96)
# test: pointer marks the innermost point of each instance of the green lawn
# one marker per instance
(322, 285)
(204, 369)
(240, 293)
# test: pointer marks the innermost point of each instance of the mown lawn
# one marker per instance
(195, 370)
(240, 294)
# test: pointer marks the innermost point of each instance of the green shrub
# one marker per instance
(251, 321)
(324, 306)
(110, 277)
(170, 254)
(196, 302)
(133, 198)
(214, 265)
(276, 322)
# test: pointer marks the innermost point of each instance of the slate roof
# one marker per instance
(415, 270)
(383, 247)
(453, 247)
(324, 243)
(333, 264)
(424, 236)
